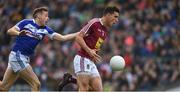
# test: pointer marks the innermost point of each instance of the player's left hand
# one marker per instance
(95, 57)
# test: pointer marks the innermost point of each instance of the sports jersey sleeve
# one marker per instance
(50, 33)
(86, 28)
(21, 24)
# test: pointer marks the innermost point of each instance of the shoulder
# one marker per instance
(94, 20)
(50, 30)
(27, 20)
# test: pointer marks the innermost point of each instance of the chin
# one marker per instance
(110, 25)
(45, 24)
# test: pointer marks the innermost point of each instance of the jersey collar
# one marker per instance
(101, 21)
(40, 27)
(34, 21)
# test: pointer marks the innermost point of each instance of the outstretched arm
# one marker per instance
(60, 37)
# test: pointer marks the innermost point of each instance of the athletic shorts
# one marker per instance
(84, 65)
(17, 61)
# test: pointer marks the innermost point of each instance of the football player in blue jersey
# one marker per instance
(28, 32)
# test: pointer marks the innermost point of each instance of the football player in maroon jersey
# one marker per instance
(90, 39)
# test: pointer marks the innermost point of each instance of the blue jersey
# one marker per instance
(27, 44)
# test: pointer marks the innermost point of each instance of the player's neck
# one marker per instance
(38, 22)
(103, 20)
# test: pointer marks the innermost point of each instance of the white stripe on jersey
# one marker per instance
(87, 26)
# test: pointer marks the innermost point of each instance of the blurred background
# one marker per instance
(147, 36)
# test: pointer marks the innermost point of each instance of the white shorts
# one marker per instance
(17, 61)
(85, 66)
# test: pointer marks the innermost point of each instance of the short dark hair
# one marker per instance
(39, 10)
(110, 9)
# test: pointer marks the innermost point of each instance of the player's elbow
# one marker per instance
(9, 31)
(64, 38)
(12, 31)
(58, 37)
(77, 38)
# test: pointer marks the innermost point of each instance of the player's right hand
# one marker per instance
(95, 57)
(23, 33)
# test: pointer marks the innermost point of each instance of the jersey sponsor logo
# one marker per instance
(34, 32)
(99, 30)
(30, 27)
(99, 43)
(102, 32)
(42, 31)
(35, 35)
(86, 34)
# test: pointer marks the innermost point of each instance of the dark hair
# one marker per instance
(110, 9)
(39, 10)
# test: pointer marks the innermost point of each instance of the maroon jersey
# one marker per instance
(95, 34)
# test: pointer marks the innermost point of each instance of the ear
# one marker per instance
(108, 14)
(37, 15)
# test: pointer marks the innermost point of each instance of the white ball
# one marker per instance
(117, 63)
